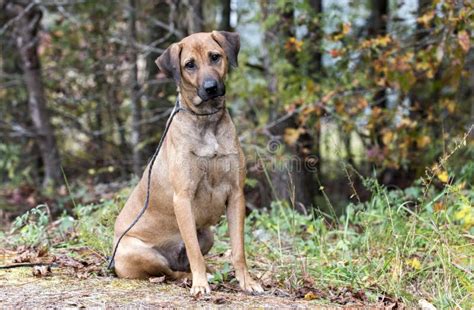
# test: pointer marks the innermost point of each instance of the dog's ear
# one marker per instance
(168, 62)
(230, 43)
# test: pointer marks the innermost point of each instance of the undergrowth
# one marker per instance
(384, 246)
(410, 244)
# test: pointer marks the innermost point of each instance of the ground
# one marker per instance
(83, 282)
(20, 289)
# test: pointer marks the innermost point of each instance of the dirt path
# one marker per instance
(20, 289)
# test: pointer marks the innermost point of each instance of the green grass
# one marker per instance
(383, 246)
(397, 244)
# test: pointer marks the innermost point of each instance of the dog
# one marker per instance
(197, 177)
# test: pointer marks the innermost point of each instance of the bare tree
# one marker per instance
(26, 27)
(134, 90)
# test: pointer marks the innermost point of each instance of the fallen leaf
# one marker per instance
(42, 271)
(310, 296)
(157, 279)
(414, 263)
(220, 301)
(424, 305)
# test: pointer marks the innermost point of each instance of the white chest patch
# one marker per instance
(210, 147)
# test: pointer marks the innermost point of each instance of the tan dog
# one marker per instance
(197, 177)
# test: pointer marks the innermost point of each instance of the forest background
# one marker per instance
(340, 106)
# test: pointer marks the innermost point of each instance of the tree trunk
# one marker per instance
(377, 25)
(420, 97)
(27, 39)
(292, 181)
(315, 35)
(315, 68)
(194, 15)
(134, 91)
(226, 11)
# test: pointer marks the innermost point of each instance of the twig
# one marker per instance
(24, 265)
(18, 17)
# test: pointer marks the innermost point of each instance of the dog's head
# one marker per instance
(199, 64)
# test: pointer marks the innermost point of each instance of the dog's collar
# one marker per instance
(179, 107)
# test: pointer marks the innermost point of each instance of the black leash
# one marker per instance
(176, 109)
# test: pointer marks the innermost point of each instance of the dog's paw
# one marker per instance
(249, 285)
(200, 289)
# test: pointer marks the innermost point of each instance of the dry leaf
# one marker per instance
(310, 296)
(42, 271)
(463, 39)
(426, 18)
(387, 137)
(157, 279)
(423, 141)
(439, 206)
(292, 135)
(220, 301)
(425, 305)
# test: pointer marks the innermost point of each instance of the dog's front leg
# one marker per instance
(187, 228)
(236, 218)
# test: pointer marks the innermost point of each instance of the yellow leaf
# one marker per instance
(466, 215)
(346, 27)
(387, 137)
(414, 263)
(426, 18)
(292, 135)
(310, 229)
(463, 39)
(383, 40)
(450, 105)
(293, 44)
(464, 212)
(310, 296)
(423, 141)
(443, 176)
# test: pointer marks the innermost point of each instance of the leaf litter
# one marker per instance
(78, 278)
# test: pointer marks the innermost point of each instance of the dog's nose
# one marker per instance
(210, 86)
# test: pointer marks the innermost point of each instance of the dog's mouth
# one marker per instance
(213, 100)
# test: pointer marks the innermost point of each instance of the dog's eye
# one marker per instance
(190, 65)
(215, 57)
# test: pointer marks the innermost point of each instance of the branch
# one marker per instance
(19, 15)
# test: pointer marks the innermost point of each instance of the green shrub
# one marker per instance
(95, 222)
(388, 245)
